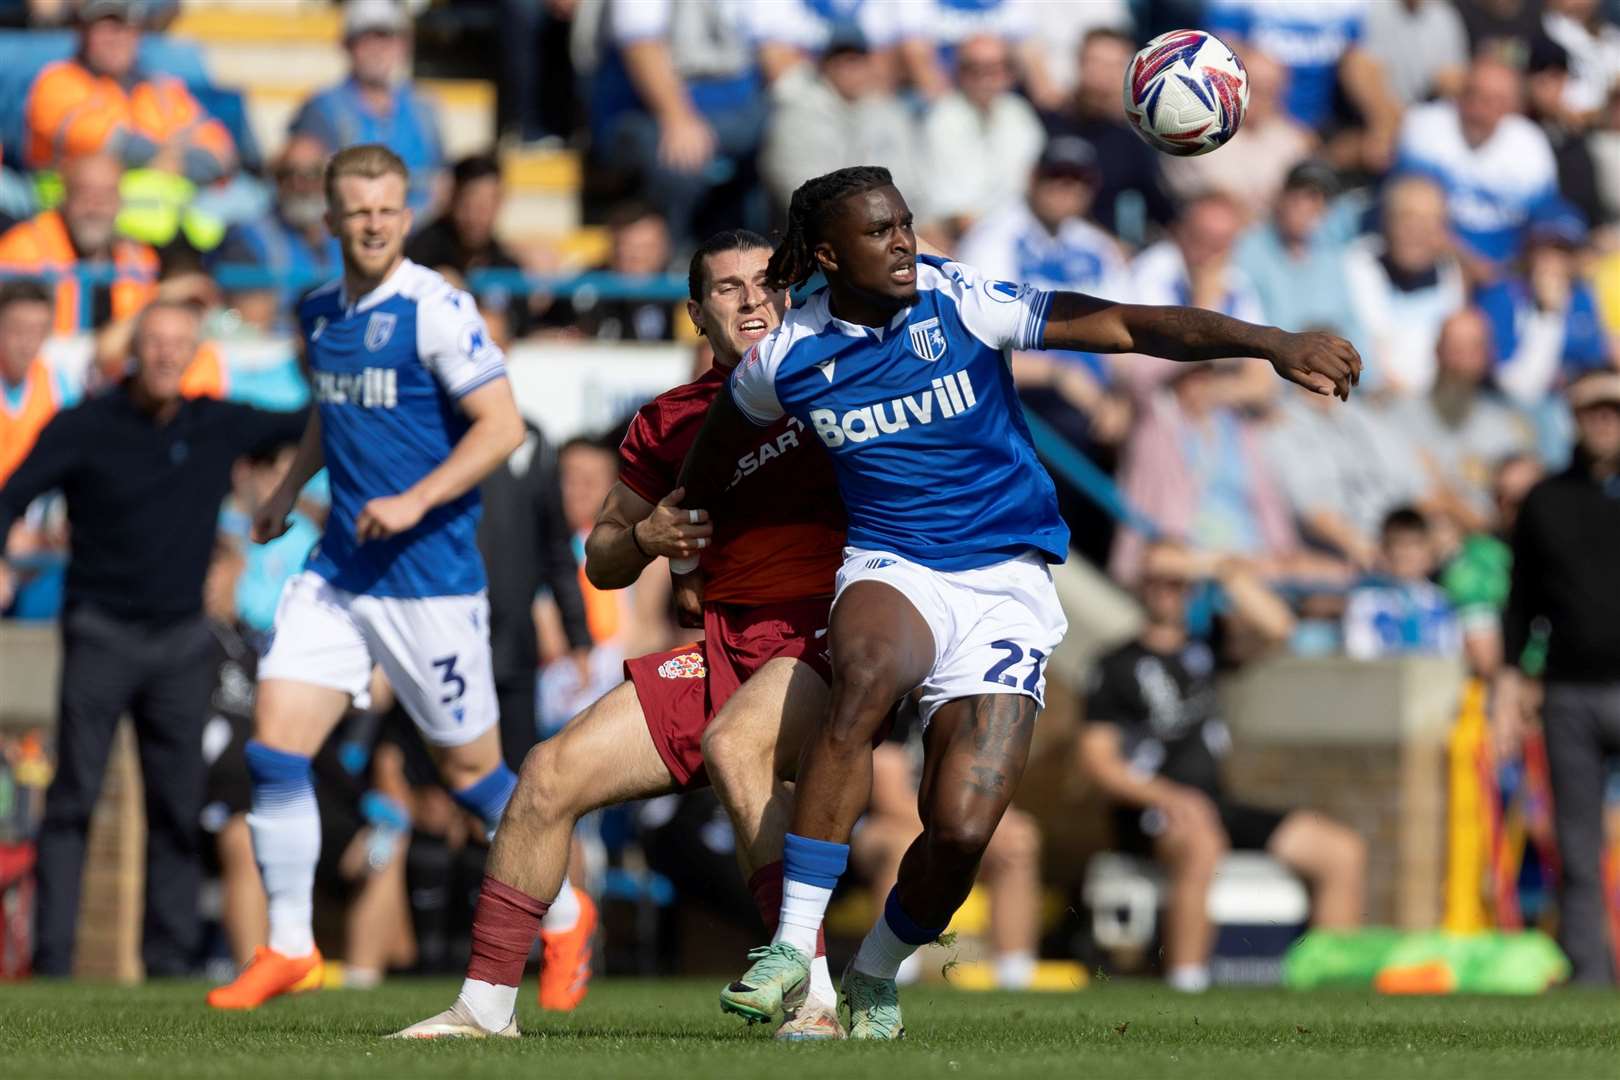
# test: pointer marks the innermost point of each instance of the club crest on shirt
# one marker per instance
(927, 340)
(687, 665)
(379, 330)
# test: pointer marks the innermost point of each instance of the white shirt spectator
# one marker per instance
(1416, 45)
(1492, 188)
(1401, 324)
(1345, 459)
(1011, 244)
(808, 25)
(1594, 60)
(978, 160)
(1159, 276)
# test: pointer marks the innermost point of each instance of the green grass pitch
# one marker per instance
(1114, 1031)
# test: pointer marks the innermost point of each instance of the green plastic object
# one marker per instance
(1525, 962)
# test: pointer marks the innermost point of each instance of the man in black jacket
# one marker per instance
(1566, 570)
(143, 471)
(527, 546)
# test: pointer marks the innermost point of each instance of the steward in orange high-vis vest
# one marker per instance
(80, 233)
(99, 100)
(30, 393)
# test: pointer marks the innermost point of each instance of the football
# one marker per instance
(1186, 92)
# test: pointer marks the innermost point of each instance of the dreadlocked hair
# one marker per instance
(794, 260)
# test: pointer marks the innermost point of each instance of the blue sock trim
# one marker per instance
(814, 862)
(489, 796)
(279, 778)
(904, 926)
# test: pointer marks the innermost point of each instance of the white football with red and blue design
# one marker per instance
(1186, 92)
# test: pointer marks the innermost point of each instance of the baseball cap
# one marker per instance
(1068, 155)
(846, 37)
(1559, 223)
(129, 11)
(1597, 388)
(365, 16)
(1313, 173)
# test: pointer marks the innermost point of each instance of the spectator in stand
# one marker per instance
(979, 141)
(1403, 285)
(291, 242)
(1268, 144)
(937, 30)
(1545, 327)
(1342, 470)
(1593, 44)
(1296, 260)
(377, 102)
(82, 234)
(1154, 739)
(1131, 195)
(1501, 27)
(1565, 572)
(1494, 163)
(1194, 265)
(1422, 46)
(1320, 43)
(1546, 80)
(1460, 428)
(100, 101)
(1399, 610)
(30, 392)
(1042, 237)
(1197, 467)
(144, 471)
(1478, 575)
(676, 97)
(528, 549)
(1010, 872)
(463, 239)
(795, 34)
(640, 247)
(837, 113)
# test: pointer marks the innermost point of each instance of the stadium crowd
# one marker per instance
(1437, 181)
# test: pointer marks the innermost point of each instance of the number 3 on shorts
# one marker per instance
(451, 678)
(1014, 655)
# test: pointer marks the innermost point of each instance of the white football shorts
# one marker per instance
(993, 627)
(434, 651)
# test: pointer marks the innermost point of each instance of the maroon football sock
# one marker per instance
(505, 924)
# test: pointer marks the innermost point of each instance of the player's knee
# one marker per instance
(543, 791)
(961, 840)
(732, 752)
(1194, 851)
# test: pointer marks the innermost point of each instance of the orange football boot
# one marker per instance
(565, 972)
(268, 975)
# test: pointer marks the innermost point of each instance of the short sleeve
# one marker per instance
(1002, 314)
(454, 343)
(753, 383)
(639, 20)
(642, 468)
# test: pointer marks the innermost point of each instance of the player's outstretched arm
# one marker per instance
(270, 520)
(496, 431)
(1322, 363)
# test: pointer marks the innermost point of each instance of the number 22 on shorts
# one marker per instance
(1014, 655)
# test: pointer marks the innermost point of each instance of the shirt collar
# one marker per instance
(856, 330)
(389, 287)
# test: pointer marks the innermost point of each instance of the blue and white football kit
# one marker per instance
(946, 499)
(388, 369)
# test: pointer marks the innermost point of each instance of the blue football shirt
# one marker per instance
(387, 370)
(926, 434)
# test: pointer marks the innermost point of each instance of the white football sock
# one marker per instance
(563, 915)
(287, 845)
(491, 1006)
(1189, 978)
(910, 969)
(803, 908)
(882, 952)
(821, 991)
(1015, 970)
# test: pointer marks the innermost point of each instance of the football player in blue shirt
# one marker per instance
(900, 367)
(413, 411)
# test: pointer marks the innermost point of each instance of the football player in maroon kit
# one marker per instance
(731, 710)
